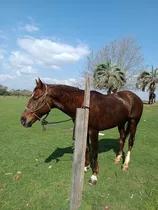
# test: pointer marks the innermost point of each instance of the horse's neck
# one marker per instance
(66, 99)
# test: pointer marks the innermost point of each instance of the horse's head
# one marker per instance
(38, 105)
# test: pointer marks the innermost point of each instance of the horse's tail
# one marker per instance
(127, 129)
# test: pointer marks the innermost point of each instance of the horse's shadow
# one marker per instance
(105, 145)
(58, 153)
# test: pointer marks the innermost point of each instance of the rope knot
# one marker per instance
(86, 107)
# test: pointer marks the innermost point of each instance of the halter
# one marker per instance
(44, 122)
(45, 103)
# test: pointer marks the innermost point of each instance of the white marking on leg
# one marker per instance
(101, 134)
(127, 160)
(86, 167)
(118, 158)
(94, 178)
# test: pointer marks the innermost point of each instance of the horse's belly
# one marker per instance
(106, 122)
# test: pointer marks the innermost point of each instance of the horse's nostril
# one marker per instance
(23, 120)
(25, 123)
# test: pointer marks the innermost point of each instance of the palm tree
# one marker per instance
(108, 76)
(148, 80)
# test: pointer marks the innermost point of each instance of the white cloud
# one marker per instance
(49, 54)
(20, 58)
(1, 56)
(31, 56)
(31, 19)
(18, 68)
(43, 53)
(6, 77)
(31, 28)
(48, 80)
(25, 70)
(2, 51)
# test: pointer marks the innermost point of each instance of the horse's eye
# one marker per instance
(35, 98)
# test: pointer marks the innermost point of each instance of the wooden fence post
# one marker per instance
(81, 128)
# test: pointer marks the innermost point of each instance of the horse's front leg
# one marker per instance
(87, 155)
(94, 143)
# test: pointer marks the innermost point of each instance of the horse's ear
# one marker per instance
(36, 82)
(40, 85)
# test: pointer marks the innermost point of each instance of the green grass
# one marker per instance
(39, 187)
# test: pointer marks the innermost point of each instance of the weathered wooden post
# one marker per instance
(81, 128)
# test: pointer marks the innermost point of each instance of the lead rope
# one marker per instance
(44, 122)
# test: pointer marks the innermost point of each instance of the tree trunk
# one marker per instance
(109, 91)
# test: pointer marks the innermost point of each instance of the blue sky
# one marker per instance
(51, 39)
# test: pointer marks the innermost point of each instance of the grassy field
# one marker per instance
(36, 166)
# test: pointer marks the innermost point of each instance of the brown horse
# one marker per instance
(152, 97)
(106, 111)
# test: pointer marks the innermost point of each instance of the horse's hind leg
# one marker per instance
(132, 130)
(122, 141)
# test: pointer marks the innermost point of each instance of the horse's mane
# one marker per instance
(61, 86)
(67, 87)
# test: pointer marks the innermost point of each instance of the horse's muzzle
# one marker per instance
(25, 123)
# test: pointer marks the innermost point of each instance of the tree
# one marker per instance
(148, 80)
(125, 53)
(18, 92)
(3, 90)
(108, 76)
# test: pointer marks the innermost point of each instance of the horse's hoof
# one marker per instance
(92, 183)
(116, 161)
(124, 167)
(93, 180)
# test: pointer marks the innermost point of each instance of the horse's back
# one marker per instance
(120, 101)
